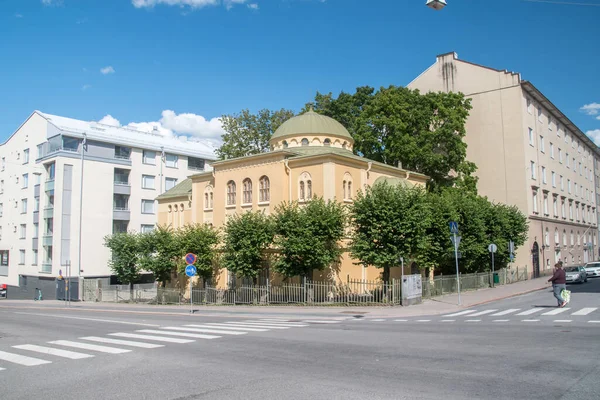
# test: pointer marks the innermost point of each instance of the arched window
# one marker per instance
(170, 209)
(309, 189)
(181, 207)
(264, 189)
(305, 186)
(556, 238)
(230, 193)
(175, 207)
(344, 145)
(208, 197)
(247, 184)
(347, 184)
(578, 239)
(285, 144)
(327, 142)
(206, 200)
(304, 142)
(301, 195)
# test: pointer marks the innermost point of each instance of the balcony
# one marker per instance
(46, 267)
(48, 212)
(49, 186)
(122, 188)
(121, 214)
(47, 239)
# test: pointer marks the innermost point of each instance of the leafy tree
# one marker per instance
(389, 222)
(308, 237)
(396, 125)
(125, 255)
(247, 236)
(160, 253)
(247, 133)
(201, 240)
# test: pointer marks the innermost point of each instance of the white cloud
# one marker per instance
(187, 3)
(52, 2)
(86, 86)
(186, 126)
(253, 6)
(17, 15)
(594, 135)
(591, 109)
(107, 70)
(110, 120)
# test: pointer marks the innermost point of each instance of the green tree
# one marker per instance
(308, 237)
(423, 132)
(201, 240)
(389, 222)
(247, 236)
(160, 253)
(247, 133)
(125, 255)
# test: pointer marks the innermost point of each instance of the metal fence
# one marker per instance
(446, 284)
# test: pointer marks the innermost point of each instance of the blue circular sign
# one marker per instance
(190, 258)
(190, 271)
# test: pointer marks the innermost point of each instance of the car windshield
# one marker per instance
(571, 269)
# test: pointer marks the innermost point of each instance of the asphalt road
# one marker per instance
(474, 355)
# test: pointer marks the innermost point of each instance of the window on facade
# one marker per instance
(547, 237)
(148, 182)
(25, 181)
(21, 257)
(231, 193)
(147, 206)
(551, 150)
(23, 206)
(347, 186)
(577, 212)
(196, 164)
(285, 144)
(534, 198)
(555, 206)
(147, 228)
(529, 106)
(553, 179)
(572, 238)
(171, 160)
(149, 157)
(531, 137)
(540, 114)
(580, 171)
(533, 170)
(327, 142)
(71, 144)
(544, 175)
(563, 208)
(564, 237)
(36, 230)
(37, 179)
(545, 204)
(25, 156)
(560, 156)
(569, 186)
(265, 189)
(578, 239)
(304, 142)
(208, 197)
(542, 145)
(50, 171)
(170, 183)
(22, 231)
(556, 237)
(571, 210)
(122, 152)
(247, 191)
(34, 257)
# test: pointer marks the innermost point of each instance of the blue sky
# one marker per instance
(180, 64)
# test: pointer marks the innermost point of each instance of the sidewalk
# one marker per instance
(433, 306)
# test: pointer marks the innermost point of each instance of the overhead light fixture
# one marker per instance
(436, 4)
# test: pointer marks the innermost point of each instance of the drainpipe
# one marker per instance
(289, 172)
(83, 145)
(162, 157)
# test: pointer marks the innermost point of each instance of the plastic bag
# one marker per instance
(566, 295)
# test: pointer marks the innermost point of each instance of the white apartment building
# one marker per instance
(529, 154)
(58, 175)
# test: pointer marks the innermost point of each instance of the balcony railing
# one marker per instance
(49, 185)
(48, 212)
(122, 156)
(47, 239)
(46, 267)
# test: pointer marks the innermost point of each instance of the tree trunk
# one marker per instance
(131, 291)
(386, 273)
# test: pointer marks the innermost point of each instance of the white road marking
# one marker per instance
(190, 335)
(88, 346)
(501, 320)
(594, 322)
(275, 319)
(448, 320)
(460, 313)
(122, 342)
(378, 320)
(151, 337)
(204, 330)
(473, 320)
(530, 311)
(231, 328)
(585, 311)
(401, 320)
(318, 321)
(530, 320)
(556, 311)
(562, 320)
(246, 325)
(22, 360)
(88, 319)
(505, 312)
(481, 313)
(423, 320)
(288, 324)
(73, 355)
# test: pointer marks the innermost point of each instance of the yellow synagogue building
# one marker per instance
(311, 155)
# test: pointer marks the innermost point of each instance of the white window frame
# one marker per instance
(551, 150)
(147, 179)
(26, 156)
(23, 206)
(146, 159)
(545, 203)
(553, 179)
(534, 198)
(531, 137)
(173, 180)
(174, 159)
(560, 156)
(562, 183)
(533, 170)
(22, 256)
(25, 181)
(529, 105)
(145, 228)
(22, 231)
(543, 175)
(146, 202)
(542, 145)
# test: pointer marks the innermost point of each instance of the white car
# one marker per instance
(592, 269)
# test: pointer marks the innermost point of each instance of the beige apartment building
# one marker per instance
(528, 154)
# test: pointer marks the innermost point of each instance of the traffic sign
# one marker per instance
(512, 257)
(454, 227)
(190, 271)
(511, 247)
(190, 258)
(455, 240)
(492, 248)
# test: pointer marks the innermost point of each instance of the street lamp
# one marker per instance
(436, 4)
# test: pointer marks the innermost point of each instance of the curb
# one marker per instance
(507, 297)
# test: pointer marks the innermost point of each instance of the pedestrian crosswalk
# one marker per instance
(117, 343)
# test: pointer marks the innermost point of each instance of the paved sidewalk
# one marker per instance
(434, 306)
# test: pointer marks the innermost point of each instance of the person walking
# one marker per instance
(559, 283)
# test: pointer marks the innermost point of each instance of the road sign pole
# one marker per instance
(493, 283)
(191, 298)
(457, 273)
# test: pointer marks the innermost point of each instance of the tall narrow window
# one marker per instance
(302, 191)
(265, 189)
(533, 170)
(247, 186)
(564, 237)
(231, 193)
(535, 201)
(309, 189)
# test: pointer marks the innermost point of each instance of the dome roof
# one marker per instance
(311, 123)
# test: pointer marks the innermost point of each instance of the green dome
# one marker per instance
(311, 123)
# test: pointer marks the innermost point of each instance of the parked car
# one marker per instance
(576, 274)
(592, 269)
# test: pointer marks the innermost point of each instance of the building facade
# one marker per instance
(311, 155)
(528, 154)
(58, 175)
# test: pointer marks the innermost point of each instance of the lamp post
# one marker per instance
(83, 143)
(436, 4)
